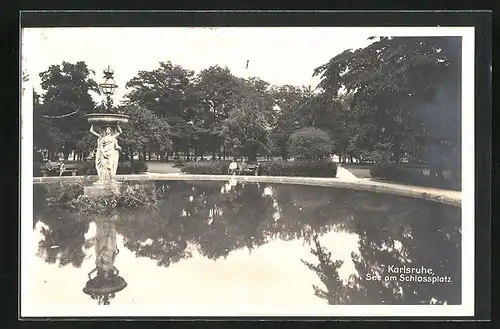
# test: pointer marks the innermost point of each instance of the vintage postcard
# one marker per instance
(247, 171)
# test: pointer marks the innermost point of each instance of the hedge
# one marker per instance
(400, 174)
(215, 167)
(124, 168)
(319, 168)
(88, 168)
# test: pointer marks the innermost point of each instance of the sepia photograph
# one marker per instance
(247, 171)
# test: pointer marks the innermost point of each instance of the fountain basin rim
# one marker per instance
(119, 285)
(102, 118)
(449, 197)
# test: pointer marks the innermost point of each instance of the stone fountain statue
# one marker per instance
(107, 153)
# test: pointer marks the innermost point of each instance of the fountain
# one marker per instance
(108, 150)
(107, 153)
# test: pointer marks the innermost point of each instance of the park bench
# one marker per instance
(69, 168)
(248, 169)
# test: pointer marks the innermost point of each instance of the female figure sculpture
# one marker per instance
(107, 153)
(107, 281)
(105, 249)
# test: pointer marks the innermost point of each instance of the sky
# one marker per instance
(278, 55)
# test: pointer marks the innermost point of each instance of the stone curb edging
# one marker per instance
(443, 196)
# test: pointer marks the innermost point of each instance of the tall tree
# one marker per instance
(146, 132)
(45, 134)
(65, 101)
(406, 94)
(247, 127)
(288, 101)
(218, 93)
(165, 91)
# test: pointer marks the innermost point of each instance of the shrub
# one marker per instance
(37, 170)
(57, 195)
(139, 166)
(70, 197)
(178, 162)
(88, 168)
(217, 167)
(318, 168)
(310, 144)
(124, 168)
(305, 168)
(403, 174)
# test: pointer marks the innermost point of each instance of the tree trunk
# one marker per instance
(397, 152)
(252, 154)
(284, 154)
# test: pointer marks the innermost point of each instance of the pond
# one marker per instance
(226, 243)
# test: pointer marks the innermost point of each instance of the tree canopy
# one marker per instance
(398, 98)
(404, 95)
(59, 114)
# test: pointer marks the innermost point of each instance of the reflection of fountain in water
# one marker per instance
(107, 281)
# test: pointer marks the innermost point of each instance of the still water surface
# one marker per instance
(246, 244)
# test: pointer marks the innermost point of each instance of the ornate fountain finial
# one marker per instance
(108, 86)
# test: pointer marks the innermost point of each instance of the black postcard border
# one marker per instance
(481, 20)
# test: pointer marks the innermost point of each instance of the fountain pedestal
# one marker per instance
(101, 189)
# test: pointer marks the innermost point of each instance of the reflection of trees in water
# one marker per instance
(39, 201)
(64, 234)
(217, 220)
(405, 232)
(199, 214)
(327, 271)
(308, 210)
(158, 231)
(240, 218)
(64, 238)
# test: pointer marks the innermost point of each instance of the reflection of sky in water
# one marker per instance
(226, 244)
